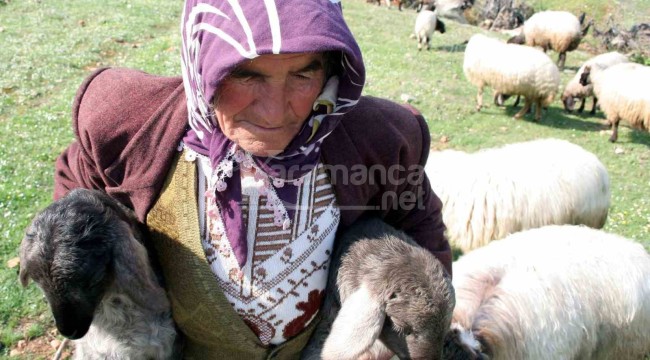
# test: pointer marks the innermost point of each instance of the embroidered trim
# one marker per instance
(217, 182)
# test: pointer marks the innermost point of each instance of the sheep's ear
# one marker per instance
(136, 276)
(22, 273)
(24, 277)
(357, 326)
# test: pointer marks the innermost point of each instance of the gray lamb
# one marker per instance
(385, 295)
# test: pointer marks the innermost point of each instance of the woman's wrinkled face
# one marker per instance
(263, 104)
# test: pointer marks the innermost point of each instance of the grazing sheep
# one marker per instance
(494, 192)
(85, 252)
(560, 31)
(574, 90)
(426, 24)
(511, 69)
(452, 9)
(379, 2)
(623, 94)
(557, 292)
(389, 3)
(384, 292)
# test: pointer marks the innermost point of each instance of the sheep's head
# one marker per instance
(460, 344)
(584, 77)
(519, 39)
(404, 300)
(67, 251)
(569, 102)
(500, 98)
(440, 26)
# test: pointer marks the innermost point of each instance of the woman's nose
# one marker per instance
(274, 104)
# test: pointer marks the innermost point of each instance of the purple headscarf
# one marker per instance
(217, 35)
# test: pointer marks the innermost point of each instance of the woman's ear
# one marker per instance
(357, 326)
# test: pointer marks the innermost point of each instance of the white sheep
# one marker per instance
(491, 193)
(574, 90)
(426, 23)
(385, 295)
(511, 69)
(557, 292)
(452, 9)
(560, 31)
(623, 95)
(85, 252)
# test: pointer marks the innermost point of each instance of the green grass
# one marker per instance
(48, 47)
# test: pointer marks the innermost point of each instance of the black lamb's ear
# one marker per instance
(23, 276)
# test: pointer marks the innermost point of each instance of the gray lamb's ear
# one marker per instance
(357, 326)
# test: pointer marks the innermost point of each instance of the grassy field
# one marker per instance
(49, 47)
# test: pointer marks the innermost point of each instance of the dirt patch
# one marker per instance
(40, 347)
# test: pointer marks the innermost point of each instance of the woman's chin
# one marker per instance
(262, 150)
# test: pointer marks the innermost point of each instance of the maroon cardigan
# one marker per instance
(128, 125)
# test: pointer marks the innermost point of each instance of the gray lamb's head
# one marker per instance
(420, 302)
(395, 292)
(68, 251)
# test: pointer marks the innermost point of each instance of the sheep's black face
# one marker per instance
(68, 252)
(519, 39)
(456, 348)
(440, 26)
(569, 103)
(585, 76)
(500, 99)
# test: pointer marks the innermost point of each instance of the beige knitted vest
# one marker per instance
(212, 329)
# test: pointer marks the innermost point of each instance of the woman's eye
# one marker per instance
(243, 76)
(246, 79)
(304, 77)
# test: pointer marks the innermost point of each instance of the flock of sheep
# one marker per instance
(518, 67)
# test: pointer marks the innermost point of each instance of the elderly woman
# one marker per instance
(246, 168)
